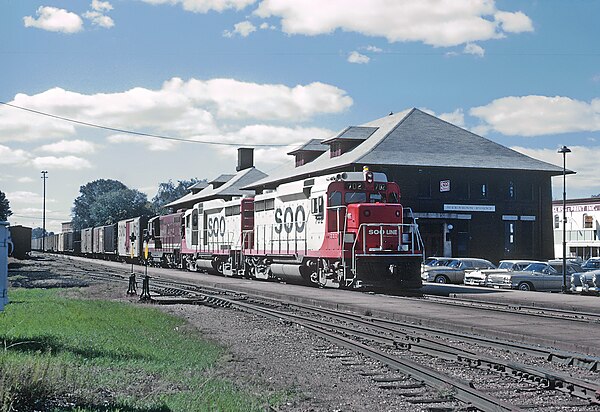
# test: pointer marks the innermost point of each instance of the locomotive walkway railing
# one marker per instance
(414, 246)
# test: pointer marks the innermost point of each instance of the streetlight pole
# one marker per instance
(44, 173)
(564, 150)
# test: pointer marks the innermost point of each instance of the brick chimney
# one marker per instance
(245, 158)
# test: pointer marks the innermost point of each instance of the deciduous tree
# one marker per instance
(106, 201)
(169, 191)
(5, 211)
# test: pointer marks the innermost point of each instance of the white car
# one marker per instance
(454, 272)
(480, 277)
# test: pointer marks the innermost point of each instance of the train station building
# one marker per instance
(471, 196)
(582, 229)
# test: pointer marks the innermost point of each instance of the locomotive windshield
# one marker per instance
(335, 198)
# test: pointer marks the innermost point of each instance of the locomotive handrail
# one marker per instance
(413, 229)
(278, 242)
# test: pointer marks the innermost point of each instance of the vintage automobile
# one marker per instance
(480, 277)
(591, 264)
(537, 276)
(435, 261)
(454, 271)
(586, 282)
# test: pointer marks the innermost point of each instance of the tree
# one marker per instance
(5, 211)
(169, 191)
(117, 205)
(37, 232)
(92, 208)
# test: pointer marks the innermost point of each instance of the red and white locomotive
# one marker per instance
(346, 230)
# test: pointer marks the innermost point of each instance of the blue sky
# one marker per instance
(525, 74)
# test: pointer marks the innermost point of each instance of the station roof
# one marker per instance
(413, 139)
(313, 145)
(224, 186)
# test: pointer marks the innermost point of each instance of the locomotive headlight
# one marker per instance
(367, 213)
(397, 213)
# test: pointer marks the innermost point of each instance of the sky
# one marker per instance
(214, 75)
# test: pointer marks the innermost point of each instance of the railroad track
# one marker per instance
(429, 360)
(541, 312)
(434, 366)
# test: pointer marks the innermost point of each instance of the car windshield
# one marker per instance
(537, 267)
(430, 261)
(505, 265)
(591, 264)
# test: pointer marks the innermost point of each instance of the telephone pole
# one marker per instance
(44, 173)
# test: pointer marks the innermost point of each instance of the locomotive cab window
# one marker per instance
(335, 199)
(377, 198)
(355, 197)
(394, 198)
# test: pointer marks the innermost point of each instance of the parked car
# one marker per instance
(537, 276)
(480, 277)
(591, 264)
(586, 282)
(454, 271)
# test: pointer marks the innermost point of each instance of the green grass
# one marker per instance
(82, 355)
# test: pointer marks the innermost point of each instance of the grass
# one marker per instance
(80, 355)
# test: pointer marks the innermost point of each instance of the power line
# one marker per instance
(156, 136)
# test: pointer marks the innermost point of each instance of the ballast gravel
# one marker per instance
(264, 357)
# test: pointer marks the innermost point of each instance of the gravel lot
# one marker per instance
(262, 356)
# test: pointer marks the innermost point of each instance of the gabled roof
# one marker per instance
(415, 139)
(232, 187)
(313, 145)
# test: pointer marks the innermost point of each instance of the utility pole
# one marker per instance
(44, 173)
(564, 150)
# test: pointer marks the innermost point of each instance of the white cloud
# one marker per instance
(102, 6)
(232, 99)
(180, 108)
(204, 6)
(99, 19)
(261, 134)
(243, 28)
(373, 49)
(516, 22)
(538, 115)
(69, 146)
(583, 160)
(66, 162)
(25, 180)
(53, 19)
(356, 57)
(456, 117)
(435, 22)
(475, 49)
(9, 156)
(152, 144)
(265, 26)
(26, 197)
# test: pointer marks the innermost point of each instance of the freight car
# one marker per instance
(21, 239)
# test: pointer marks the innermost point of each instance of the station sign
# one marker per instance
(578, 208)
(469, 208)
(444, 185)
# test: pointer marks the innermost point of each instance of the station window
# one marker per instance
(556, 221)
(588, 222)
(424, 189)
(511, 193)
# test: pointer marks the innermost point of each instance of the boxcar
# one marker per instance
(21, 238)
